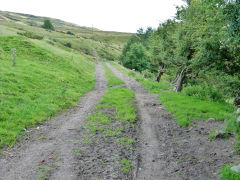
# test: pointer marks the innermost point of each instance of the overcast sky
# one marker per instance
(110, 15)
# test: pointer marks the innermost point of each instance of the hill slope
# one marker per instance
(107, 44)
(53, 68)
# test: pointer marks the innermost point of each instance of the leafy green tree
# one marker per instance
(136, 58)
(47, 25)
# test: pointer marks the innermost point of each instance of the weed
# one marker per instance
(41, 176)
(212, 135)
(227, 174)
(126, 165)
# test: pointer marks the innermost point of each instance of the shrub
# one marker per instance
(204, 93)
(68, 44)
(147, 74)
(47, 25)
(70, 33)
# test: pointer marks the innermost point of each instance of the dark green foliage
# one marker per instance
(136, 58)
(68, 44)
(47, 25)
(199, 46)
(70, 33)
(31, 35)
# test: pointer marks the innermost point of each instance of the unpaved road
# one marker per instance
(165, 151)
(169, 152)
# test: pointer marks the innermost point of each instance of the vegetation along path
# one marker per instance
(168, 151)
(110, 135)
(47, 150)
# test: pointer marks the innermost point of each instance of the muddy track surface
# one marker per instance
(46, 152)
(164, 150)
(169, 152)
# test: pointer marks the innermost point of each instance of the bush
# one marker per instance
(204, 93)
(70, 33)
(47, 25)
(68, 44)
(147, 74)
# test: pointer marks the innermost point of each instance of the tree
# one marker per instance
(136, 58)
(232, 13)
(47, 25)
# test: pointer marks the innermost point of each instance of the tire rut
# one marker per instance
(148, 106)
(170, 152)
(49, 148)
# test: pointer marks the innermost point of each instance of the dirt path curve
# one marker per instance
(47, 151)
(170, 152)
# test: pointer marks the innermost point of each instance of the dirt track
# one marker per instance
(169, 152)
(164, 151)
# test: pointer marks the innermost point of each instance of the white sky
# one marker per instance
(111, 15)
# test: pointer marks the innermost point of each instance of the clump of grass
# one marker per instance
(126, 165)
(227, 174)
(112, 79)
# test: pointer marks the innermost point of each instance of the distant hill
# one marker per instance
(85, 39)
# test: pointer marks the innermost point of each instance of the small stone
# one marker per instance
(238, 111)
(236, 168)
(211, 119)
(238, 119)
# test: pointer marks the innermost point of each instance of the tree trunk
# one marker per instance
(160, 72)
(237, 99)
(180, 80)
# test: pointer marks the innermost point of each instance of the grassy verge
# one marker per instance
(112, 79)
(41, 84)
(114, 120)
(185, 109)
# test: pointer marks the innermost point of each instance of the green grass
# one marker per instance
(112, 79)
(187, 109)
(227, 174)
(44, 81)
(107, 44)
(121, 103)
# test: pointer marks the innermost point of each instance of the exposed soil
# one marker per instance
(168, 151)
(100, 157)
(63, 149)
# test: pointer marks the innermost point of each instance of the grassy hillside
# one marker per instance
(45, 80)
(53, 68)
(107, 44)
